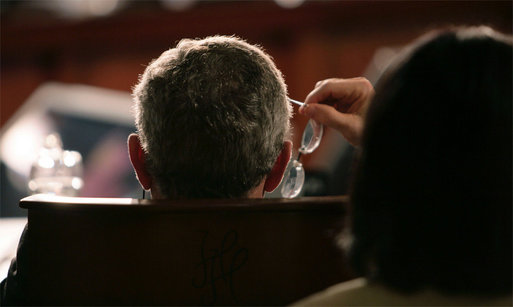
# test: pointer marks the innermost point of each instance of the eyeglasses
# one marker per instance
(295, 176)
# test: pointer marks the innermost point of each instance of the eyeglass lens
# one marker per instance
(294, 180)
(295, 176)
(311, 137)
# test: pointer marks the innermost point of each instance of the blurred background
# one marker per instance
(67, 66)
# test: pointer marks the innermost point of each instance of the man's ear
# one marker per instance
(276, 175)
(136, 154)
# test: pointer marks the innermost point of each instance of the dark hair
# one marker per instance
(212, 115)
(431, 198)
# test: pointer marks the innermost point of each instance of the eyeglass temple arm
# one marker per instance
(299, 103)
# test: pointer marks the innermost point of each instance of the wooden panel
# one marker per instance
(253, 252)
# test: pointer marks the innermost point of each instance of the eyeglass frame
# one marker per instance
(304, 149)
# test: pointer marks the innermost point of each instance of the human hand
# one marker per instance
(341, 105)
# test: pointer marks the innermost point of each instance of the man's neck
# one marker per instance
(256, 192)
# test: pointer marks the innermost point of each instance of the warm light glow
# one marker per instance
(20, 144)
(289, 4)
(53, 141)
(102, 7)
(71, 158)
(32, 185)
(84, 8)
(77, 183)
(45, 161)
(178, 5)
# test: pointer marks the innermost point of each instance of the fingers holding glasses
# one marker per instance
(337, 103)
(340, 104)
(349, 125)
(346, 95)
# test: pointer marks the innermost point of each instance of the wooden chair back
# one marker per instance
(99, 251)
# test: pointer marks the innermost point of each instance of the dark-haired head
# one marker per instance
(432, 194)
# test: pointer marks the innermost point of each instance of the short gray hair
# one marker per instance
(212, 116)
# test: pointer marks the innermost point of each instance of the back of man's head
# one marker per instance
(212, 117)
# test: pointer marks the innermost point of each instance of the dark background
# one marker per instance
(314, 41)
